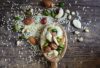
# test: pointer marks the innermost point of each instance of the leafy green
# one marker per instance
(46, 12)
(61, 4)
(13, 28)
(17, 18)
(21, 37)
(53, 13)
(28, 12)
(60, 48)
(46, 43)
(54, 30)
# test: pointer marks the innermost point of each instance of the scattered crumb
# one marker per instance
(73, 13)
(80, 39)
(68, 11)
(77, 32)
(86, 30)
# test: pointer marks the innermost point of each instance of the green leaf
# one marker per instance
(54, 30)
(17, 17)
(46, 12)
(61, 4)
(21, 37)
(13, 28)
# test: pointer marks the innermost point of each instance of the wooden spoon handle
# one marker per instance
(54, 65)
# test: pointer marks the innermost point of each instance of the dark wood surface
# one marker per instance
(84, 54)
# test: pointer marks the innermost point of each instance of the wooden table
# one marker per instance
(84, 54)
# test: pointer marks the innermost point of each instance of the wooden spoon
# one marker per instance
(54, 60)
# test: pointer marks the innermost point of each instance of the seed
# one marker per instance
(77, 32)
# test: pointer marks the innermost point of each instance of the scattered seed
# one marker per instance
(68, 11)
(73, 13)
(70, 17)
(77, 32)
(80, 39)
(86, 30)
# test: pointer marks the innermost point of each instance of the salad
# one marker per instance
(52, 41)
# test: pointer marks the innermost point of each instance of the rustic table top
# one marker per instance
(78, 55)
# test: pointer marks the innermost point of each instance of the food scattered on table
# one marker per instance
(30, 25)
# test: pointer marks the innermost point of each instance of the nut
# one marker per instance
(32, 40)
(47, 49)
(48, 3)
(53, 46)
(28, 21)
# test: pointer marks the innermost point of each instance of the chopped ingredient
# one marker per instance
(48, 3)
(54, 30)
(28, 21)
(53, 46)
(47, 49)
(53, 13)
(49, 36)
(32, 40)
(53, 53)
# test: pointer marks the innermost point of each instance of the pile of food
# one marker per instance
(52, 40)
